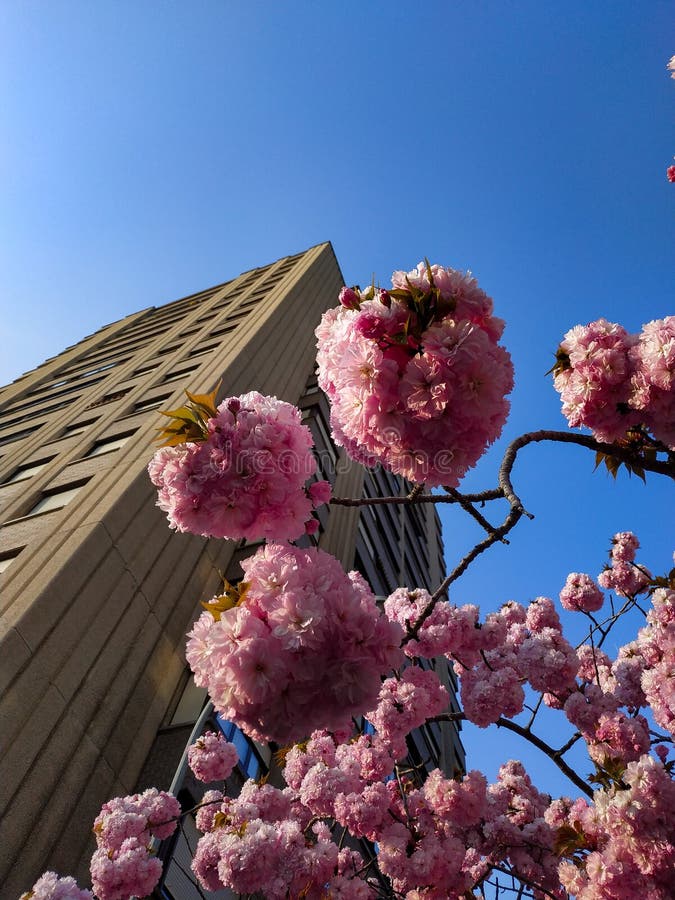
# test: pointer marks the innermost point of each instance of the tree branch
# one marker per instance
(553, 755)
(517, 510)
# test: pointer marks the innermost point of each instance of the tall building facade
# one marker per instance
(96, 592)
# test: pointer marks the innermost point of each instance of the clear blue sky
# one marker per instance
(152, 149)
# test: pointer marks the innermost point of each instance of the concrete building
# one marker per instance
(96, 592)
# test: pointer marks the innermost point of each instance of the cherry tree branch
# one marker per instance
(516, 511)
(554, 755)
(527, 881)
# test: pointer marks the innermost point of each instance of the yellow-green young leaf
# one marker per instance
(232, 596)
(205, 402)
(189, 422)
(399, 294)
(220, 819)
(430, 274)
(612, 465)
(174, 441)
(183, 412)
(637, 470)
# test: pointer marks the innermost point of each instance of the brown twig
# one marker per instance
(535, 740)
(517, 510)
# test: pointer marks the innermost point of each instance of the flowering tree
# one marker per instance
(301, 654)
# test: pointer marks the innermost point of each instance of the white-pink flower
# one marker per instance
(416, 378)
(50, 887)
(212, 757)
(305, 648)
(247, 479)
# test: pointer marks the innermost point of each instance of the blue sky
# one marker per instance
(152, 149)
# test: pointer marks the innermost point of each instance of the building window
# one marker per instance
(176, 376)
(103, 368)
(6, 559)
(219, 332)
(31, 415)
(108, 445)
(199, 350)
(165, 351)
(79, 428)
(109, 398)
(250, 761)
(55, 499)
(151, 367)
(27, 471)
(153, 403)
(17, 435)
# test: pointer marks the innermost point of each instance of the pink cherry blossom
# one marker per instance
(212, 757)
(595, 380)
(417, 386)
(50, 887)
(623, 575)
(581, 593)
(140, 816)
(247, 479)
(307, 646)
(611, 381)
(129, 871)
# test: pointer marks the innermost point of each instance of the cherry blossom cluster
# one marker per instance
(581, 593)
(50, 887)
(123, 866)
(435, 840)
(623, 844)
(655, 651)
(623, 575)
(601, 699)
(415, 375)
(494, 658)
(212, 757)
(611, 381)
(265, 841)
(247, 479)
(306, 646)
(439, 837)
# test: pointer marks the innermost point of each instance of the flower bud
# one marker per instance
(349, 298)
